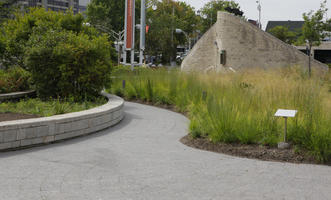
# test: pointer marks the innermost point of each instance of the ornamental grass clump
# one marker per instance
(240, 107)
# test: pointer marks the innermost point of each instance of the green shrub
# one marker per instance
(65, 57)
(64, 64)
(17, 32)
(14, 79)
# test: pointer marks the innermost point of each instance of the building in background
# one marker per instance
(55, 5)
(294, 26)
(83, 5)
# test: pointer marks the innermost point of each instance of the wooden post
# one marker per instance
(285, 130)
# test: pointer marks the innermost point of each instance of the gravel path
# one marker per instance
(142, 158)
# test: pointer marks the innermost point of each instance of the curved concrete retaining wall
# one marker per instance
(27, 132)
(16, 95)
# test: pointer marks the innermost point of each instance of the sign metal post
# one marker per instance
(285, 114)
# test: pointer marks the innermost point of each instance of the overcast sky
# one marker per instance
(272, 9)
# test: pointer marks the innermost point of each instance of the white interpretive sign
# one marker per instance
(285, 113)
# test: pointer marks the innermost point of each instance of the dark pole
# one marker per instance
(309, 64)
(285, 130)
(172, 31)
(119, 53)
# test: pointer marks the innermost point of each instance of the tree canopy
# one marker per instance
(169, 16)
(110, 14)
(163, 18)
(315, 26)
(6, 9)
(282, 33)
(209, 11)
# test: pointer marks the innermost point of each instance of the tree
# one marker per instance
(65, 57)
(314, 28)
(162, 37)
(110, 14)
(163, 17)
(6, 9)
(282, 33)
(209, 11)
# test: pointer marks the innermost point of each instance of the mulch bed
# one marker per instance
(15, 116)
(252, 151)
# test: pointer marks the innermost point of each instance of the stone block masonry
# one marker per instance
(243, 46)
(28, 132)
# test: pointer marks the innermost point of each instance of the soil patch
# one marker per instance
(15, 116)
(250, 151)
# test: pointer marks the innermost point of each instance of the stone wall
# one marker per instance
(16, 95)
(27, 132)
(246, 46)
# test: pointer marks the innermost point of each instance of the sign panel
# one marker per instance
(129, 24)
(285, 113)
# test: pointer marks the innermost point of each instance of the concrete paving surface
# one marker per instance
(142, 158)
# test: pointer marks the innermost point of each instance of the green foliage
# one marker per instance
(162, 38)
(17, 32)
(239, 108)
(109, 14)
(65, 57)
(209, 11)
(2, 47)
(315, 26)
(14, 80)
(7, 7)
(65, 64)
(282, 33)
(48, 108)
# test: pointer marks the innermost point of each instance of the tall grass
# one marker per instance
(239, 107)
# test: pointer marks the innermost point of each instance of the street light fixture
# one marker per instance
(118, 36)
(142, 31)
(178, 30)
(259, 8)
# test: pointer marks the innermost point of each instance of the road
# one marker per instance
(142, 158)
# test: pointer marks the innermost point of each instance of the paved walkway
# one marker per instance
(142, 158)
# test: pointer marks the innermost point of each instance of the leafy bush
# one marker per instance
(18, 31)
(65, 57)
(14, 79)
(65, 64)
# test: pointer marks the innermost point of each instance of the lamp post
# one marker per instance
(178, 30)
(142, 31)
(259, 8)
(118, 39)
(308, 48)
(118, 36)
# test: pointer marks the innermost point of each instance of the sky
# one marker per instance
(272, 10)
